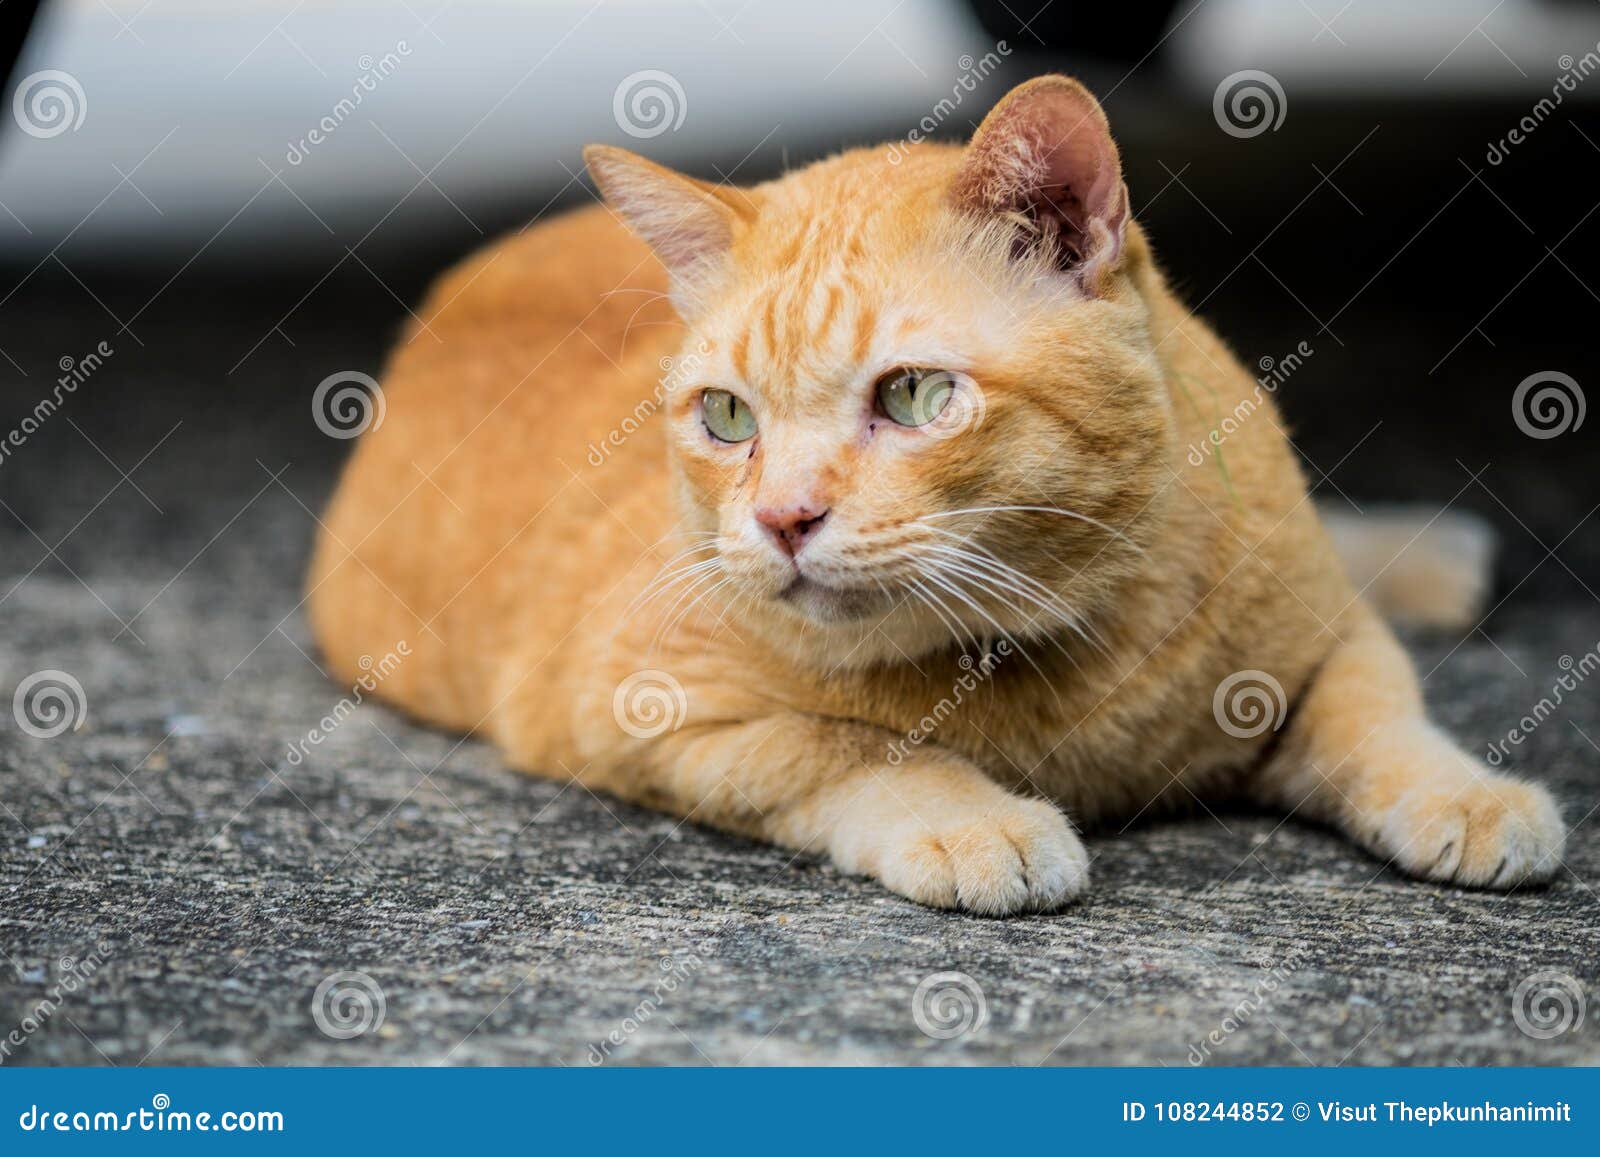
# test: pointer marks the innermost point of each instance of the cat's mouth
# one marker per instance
(822, 601)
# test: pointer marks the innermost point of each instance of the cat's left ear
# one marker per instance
(1045, 153)
(691, 225)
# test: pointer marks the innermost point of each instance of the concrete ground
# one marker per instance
(174, 891)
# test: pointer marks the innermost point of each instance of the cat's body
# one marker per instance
(1095, 644)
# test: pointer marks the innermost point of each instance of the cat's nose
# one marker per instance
(792, 526)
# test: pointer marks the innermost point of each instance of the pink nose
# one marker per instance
(792, 526)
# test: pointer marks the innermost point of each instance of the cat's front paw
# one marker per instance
(1018, 855)
(1494, 833)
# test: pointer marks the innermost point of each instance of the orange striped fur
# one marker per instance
(563, 544)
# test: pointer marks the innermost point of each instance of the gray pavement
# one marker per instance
(190, 889)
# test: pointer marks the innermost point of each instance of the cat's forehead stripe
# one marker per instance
(830, 309)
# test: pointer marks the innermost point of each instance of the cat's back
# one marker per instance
(575, 268)
(520, 361)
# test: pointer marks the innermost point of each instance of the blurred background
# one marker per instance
(209, 207)
(242, 198)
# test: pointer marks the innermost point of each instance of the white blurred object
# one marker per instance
(190, 107)
(1420, 566)
(277, 123)
(1357, 48)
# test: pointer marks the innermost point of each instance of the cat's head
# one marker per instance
(920, 400)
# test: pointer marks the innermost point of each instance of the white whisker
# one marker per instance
(939, 577)
(697, 583)
(942, 615)
(1078, 621)
(699, 596)
(986, 581)
(664, 581)
(1111, 530)
(991, 569)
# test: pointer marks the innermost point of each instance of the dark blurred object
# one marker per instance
(16, 17)
(1108, 32)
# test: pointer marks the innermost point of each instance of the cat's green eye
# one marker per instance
(727, 416)
(915, 397)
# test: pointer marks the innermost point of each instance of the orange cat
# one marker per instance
(905, 558)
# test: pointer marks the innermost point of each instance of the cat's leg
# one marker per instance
(924, 822)
(1358, 752)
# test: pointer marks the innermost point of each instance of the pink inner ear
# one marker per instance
(1048, 154)
(687, 225)
(686, 237)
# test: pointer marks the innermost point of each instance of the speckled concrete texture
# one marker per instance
(186, 888)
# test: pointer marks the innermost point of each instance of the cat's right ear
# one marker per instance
(691, 225)
(1044, 155)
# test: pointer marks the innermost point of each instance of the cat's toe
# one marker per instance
(1494, 833)
(1024, 856)
(1054, 860)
